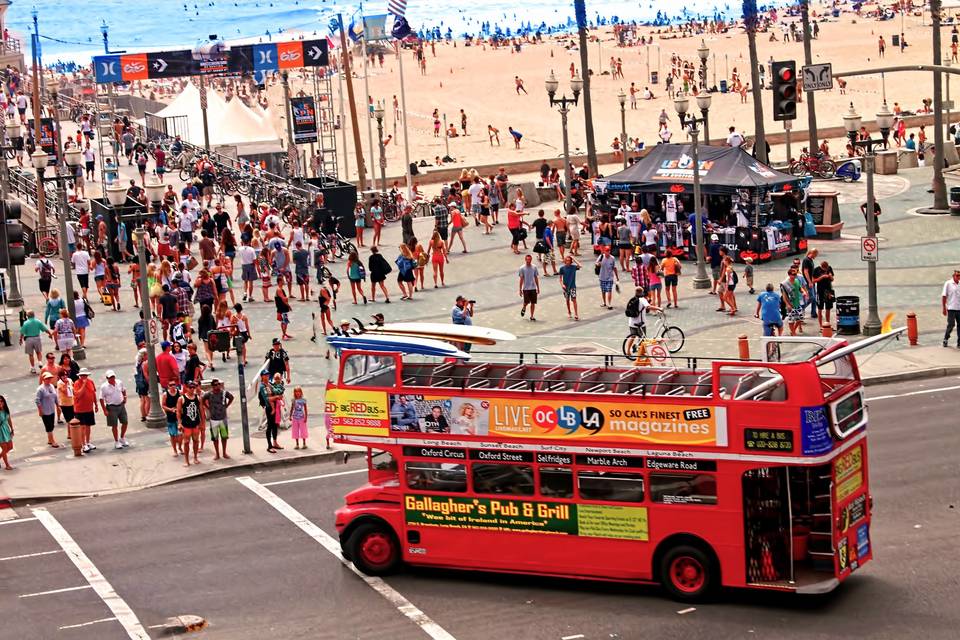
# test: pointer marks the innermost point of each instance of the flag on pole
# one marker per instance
(397, 7)
(335, 26)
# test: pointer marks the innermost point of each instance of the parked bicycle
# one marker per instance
(818, 165)
(670, 336)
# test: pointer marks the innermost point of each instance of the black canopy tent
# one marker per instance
(668, 168)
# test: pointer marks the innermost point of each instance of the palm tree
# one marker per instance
(750, 20)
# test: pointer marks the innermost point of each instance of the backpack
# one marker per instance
(46, 270)
(736, 278)
(139, 333)
(362, 271)
(633, 308)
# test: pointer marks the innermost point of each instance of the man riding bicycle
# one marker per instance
(636, 312)
(207, 173)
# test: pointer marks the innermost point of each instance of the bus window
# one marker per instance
(683, 488)
(610, 486)
(382, 460)
(556, 482)
(436, 476)
(369, 371)
(503, 479)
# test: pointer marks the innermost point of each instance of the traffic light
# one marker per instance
(12, 251)
(784, 90)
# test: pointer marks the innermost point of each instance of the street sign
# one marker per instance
(818, 77)
(869, 250)
(153, 331)
(239, 59)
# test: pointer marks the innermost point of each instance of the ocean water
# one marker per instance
(71, 30)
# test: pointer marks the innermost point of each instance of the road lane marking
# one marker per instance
(53, 591)
(86, 624)
(326, 475)
(914, 393)
(326, 541)
(573, 637)
(17, 521)
(31, 555)
(118, 607)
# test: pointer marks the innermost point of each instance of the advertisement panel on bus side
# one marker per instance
(662, 424)
(504, 514)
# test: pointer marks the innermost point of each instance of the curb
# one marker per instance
(312, 458)
(920, 374)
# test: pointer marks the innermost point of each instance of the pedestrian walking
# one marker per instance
(793, 294)
(216, 402)
(406, 274)
(298, 419)
(568, 284)
(356, 274)
(823, 283)
(46, 401)
(606, 270)
(47, 272)
(379, 268)
(950, 301)
(113, 401)
(85, 406)
(437, 253)
(30, 338)
(6, 433)
(529, 286)
(190, 416)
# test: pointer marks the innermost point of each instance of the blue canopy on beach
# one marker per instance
(723, 170)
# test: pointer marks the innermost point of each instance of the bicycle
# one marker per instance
(670, 336)
(47, 244)
(422, 209)
(817, 165)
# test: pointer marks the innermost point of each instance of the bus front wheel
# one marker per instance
(374, 549)
(687, 573)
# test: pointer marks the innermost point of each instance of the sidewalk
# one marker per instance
(909, 363)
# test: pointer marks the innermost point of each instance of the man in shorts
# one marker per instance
(30, 332)
(169, 401)
(248, 268)
(191, 417)
(768, 311)
(113, 401)
(85, 405)
(529, 286)
(215, 403)
(568, 282)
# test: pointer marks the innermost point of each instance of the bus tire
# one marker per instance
(373, 549)
(688, 573)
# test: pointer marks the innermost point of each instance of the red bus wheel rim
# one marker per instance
(687, 574)
(377, 549)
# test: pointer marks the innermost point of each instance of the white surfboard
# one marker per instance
(441, 331)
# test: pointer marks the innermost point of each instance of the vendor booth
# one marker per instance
(755, 210)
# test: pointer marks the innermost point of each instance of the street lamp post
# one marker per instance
(622, 98)
(703, 102)
(576, 86)
(446, 138)
(13, 295)
(681, 104)
(851, 122)
(378, 114)
(704, 53)
(73, 158)
(156, 418)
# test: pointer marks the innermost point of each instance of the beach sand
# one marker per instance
(480, 81)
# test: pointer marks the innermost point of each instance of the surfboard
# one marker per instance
(397, 344)
(440, 331)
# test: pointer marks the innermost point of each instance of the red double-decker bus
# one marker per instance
(739, 473)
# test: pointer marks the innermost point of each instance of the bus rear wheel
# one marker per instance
(687, 573)
(374, 549)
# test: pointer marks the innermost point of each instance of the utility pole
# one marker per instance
(156, 418)
(750, 23)
(292, 155)
(808, 60)
(939, 186)
(581, 12)
(345, 56)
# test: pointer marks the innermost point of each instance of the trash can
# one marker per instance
(895, 40)
(654, 77)
(848, 315)
(955, 201)
(723, 86)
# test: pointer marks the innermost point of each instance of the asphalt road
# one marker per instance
(215, 548)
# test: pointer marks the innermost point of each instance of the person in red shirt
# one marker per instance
(85, 405)
(167, 370)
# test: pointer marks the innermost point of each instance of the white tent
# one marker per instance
(230, 124)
